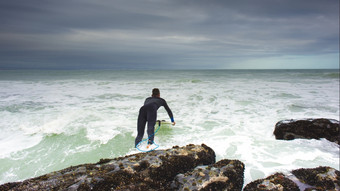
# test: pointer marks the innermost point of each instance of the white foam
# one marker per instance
(17, 142)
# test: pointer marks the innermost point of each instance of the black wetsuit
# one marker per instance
(148, 113)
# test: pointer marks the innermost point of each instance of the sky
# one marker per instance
(169, 34)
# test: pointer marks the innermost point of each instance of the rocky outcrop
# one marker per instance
(277, 181)
(224, 175)
(321, 178)
(143, 171)
(191, 167)
(308, 129)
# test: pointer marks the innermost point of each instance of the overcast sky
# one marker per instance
(169, 34)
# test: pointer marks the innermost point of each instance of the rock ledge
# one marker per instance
(154, 170)
(308, 129)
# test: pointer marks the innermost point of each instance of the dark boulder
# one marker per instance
(274, 182)
(320, 178)
(224, 175)
(143, 171)
(308, 129)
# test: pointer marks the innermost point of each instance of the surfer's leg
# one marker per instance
(152, 117)
(140, 125)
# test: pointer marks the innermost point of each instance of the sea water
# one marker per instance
(51, 120)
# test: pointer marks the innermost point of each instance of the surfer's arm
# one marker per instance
(169, 112)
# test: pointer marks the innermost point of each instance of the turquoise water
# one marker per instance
(51, 120)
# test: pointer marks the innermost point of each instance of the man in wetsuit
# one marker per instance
(148, 113)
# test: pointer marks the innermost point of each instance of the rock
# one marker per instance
(321, 178)
(224, 175)
(308, 129)
(143, 171)
(274, 182)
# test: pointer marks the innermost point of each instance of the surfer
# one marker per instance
(148, 113)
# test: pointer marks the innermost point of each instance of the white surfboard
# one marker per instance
(163, 123)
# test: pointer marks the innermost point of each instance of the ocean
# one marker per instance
(51, 120)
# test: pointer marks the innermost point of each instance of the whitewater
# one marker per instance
(51, 120)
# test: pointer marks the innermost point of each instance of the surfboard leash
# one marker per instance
(137, 146)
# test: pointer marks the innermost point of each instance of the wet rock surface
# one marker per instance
(224, 175)
(308, 129)
(320, 178)
(143, 171)
(277, 181)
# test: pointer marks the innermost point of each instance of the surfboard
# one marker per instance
(163, 123)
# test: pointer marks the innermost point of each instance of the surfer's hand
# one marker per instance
(173, 123)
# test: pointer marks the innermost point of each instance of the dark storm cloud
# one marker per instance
(166, 33)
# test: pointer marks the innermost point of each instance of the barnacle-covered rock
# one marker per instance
(312, 179)
(322, 178)
(224, 175)
(276, 182)
(308, 129)
(142, 171)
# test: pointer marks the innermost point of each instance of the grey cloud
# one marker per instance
(162, 34)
